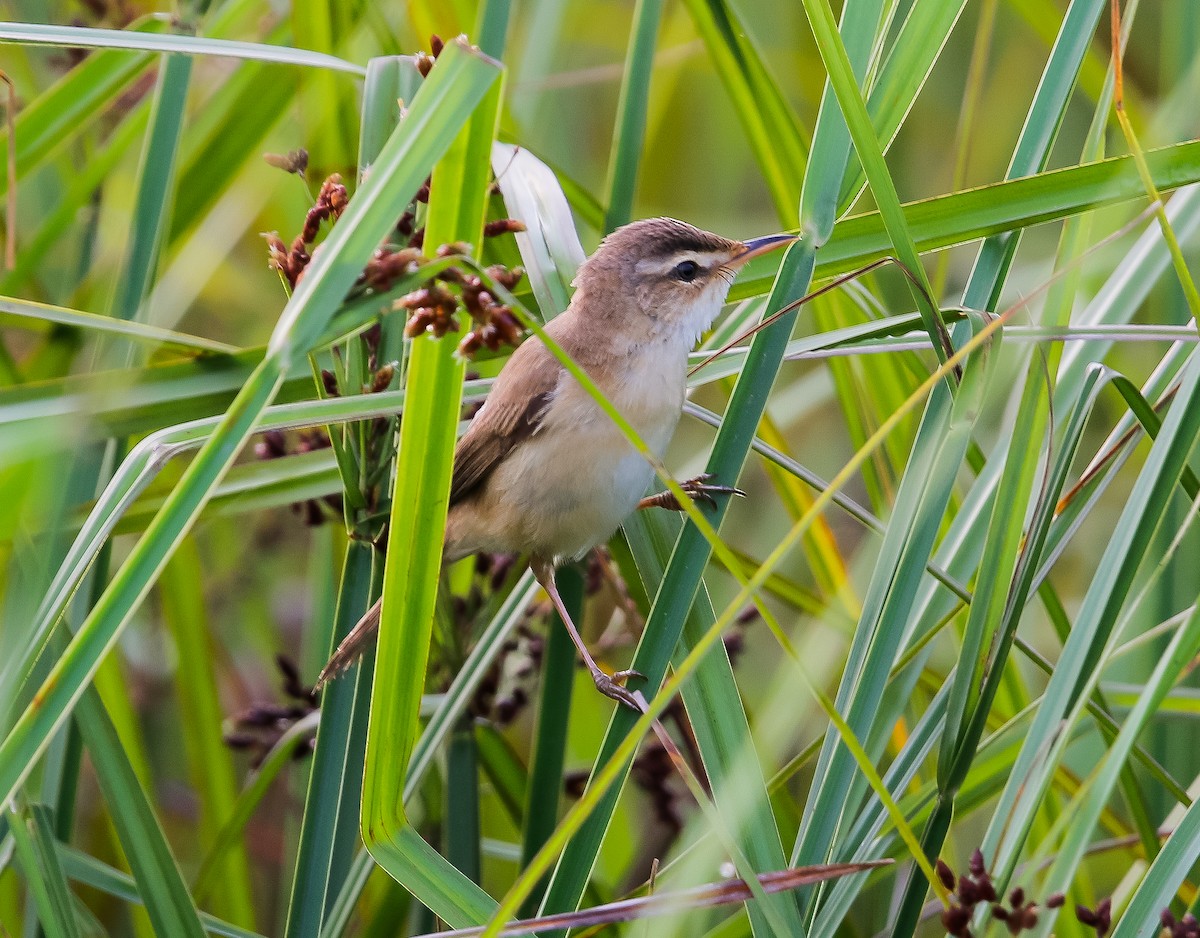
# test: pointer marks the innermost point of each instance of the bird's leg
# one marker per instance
(610, 685)
(698, 489)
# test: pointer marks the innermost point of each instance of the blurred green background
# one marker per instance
(254, 578)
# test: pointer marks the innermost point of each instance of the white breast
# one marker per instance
(576, 479)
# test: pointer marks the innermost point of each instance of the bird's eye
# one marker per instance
(686, 271)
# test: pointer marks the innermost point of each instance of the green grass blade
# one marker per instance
(210, 760)
(427, 437)
(1179, 653)
(26, 314)
(630, 132)
(1042, 122)
(724, 738)
(910, 60)
(155, 184)
(1131, 538)
(71, 104)
(1002, 209)
(330, 817)
(33, 839)
(553, 718)
(87, 37)
(1164, 877)
(169, 904)
(89, 871)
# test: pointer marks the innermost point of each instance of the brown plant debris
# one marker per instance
(294, 161)
(259, 728)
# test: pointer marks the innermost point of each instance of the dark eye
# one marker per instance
(686, 271)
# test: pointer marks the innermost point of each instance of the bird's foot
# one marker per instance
(613, 685)
(698, 489)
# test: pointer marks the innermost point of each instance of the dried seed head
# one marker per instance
(454, 249)
(271, 445)
(955, 920)
(975, 865)
(471, 343)
(436, 45)
(383, 378)
(1055, 900)
(294, 161)
(502, 226)
(424, 62)
(504, 276)
(944, 873)
(418, 322)
(329, 381)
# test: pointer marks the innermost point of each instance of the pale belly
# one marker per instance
(570, 485)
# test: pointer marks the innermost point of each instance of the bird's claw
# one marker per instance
(698, 489)
(613, 686)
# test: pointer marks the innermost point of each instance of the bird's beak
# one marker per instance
(756, 246)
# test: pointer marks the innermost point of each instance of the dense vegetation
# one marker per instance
(955, 616)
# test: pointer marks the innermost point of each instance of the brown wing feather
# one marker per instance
(513, 412)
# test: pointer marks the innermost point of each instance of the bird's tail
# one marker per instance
(352, 646)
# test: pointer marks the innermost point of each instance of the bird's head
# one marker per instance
(675, 274)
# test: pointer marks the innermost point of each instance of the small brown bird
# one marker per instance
(542, 470)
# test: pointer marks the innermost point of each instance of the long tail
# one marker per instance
(352, 646)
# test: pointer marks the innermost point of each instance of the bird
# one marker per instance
(542, 470)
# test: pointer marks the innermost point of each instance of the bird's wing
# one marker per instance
(513, 412)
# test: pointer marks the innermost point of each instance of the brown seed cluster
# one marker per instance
(434, 308)
(1099, 918)
(425, 60)
(291, 263)
(976, 887)
(1186, 927)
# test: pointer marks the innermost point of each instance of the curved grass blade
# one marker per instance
(329, 829)
(89, 37)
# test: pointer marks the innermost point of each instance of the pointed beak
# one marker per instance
(756, 246)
